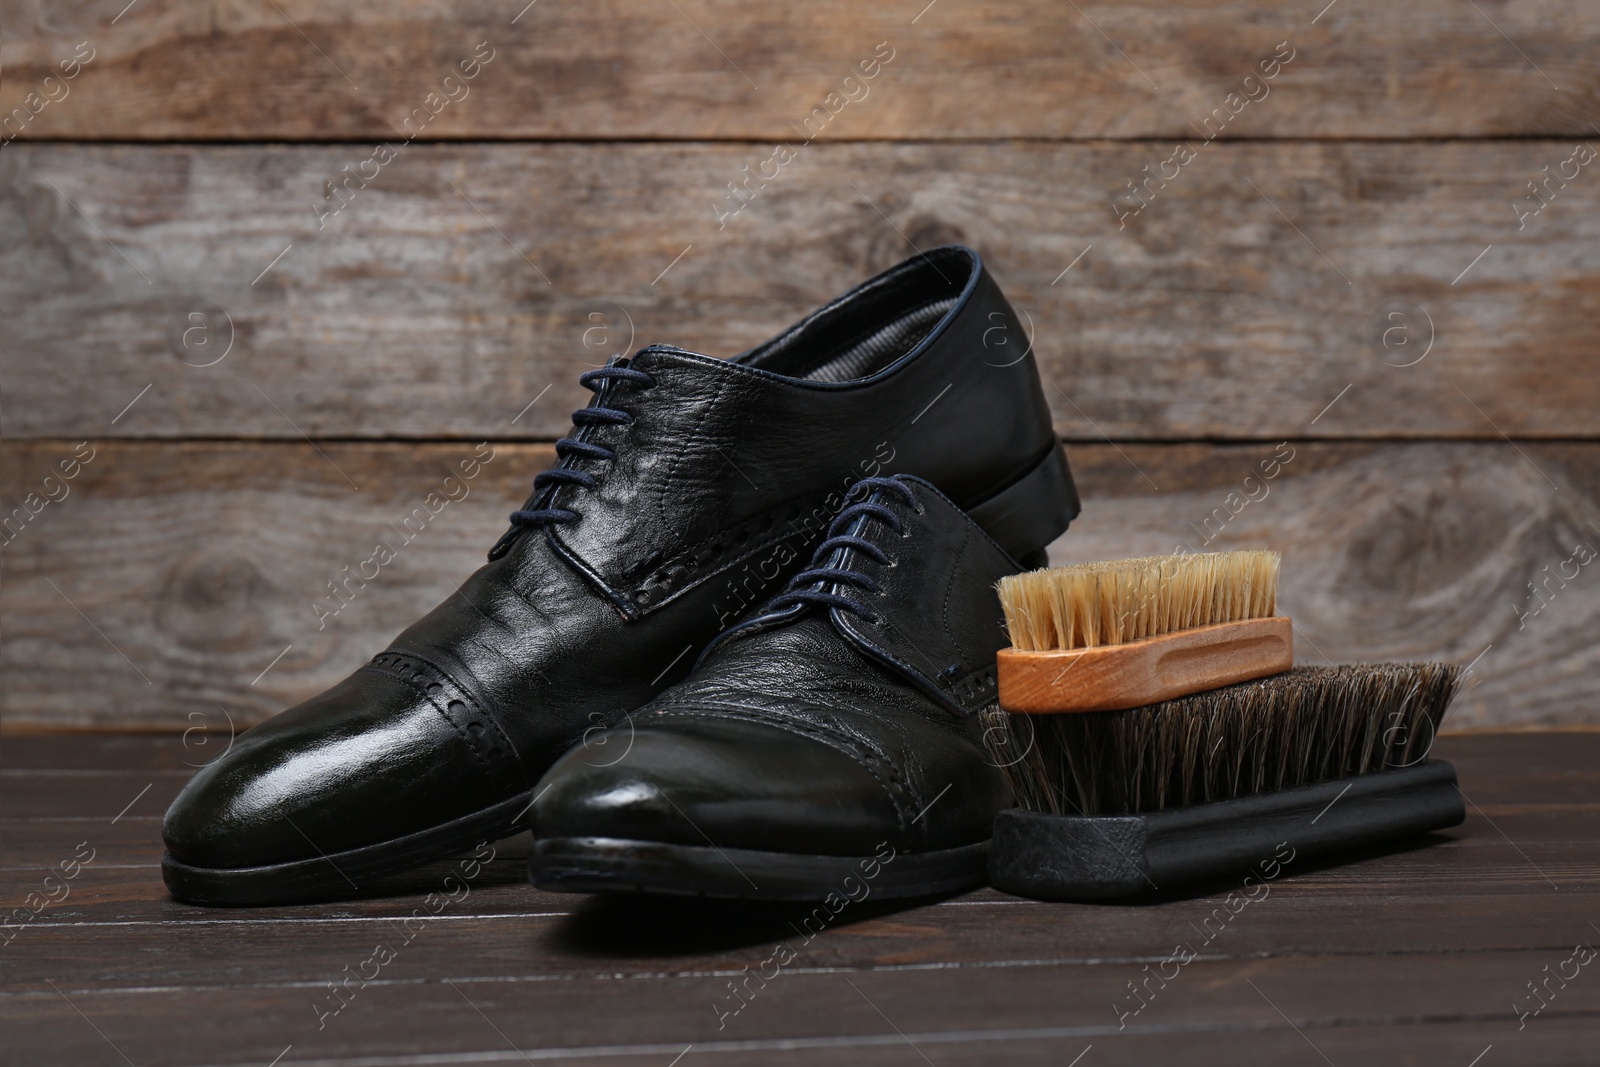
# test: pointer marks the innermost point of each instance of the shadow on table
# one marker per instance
(638, 925)
(1301, 873)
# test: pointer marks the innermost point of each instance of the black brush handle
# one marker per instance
(1077, 857)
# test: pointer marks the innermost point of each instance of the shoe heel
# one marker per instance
(1032, 511)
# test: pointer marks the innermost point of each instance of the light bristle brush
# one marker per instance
(1131, 632)
(1202, 781)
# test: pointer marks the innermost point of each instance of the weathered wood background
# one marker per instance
(1357, 266)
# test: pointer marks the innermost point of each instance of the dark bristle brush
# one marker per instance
(1198, 786)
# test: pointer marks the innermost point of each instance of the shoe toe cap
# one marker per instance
(721, 782)
(363, 763)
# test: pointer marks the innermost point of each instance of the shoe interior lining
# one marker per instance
(868, 330)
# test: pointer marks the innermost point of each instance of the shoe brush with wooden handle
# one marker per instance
(1130, 632)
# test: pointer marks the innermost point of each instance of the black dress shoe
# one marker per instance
(691, 490)
(828, 745)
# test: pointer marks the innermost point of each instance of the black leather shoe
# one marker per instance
(829, 745)
(691, 490)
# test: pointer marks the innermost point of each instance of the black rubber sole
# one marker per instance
(617, 865)
(1100, 857)
(342, 874)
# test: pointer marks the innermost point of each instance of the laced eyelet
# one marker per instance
(819, 584)
(567, 447)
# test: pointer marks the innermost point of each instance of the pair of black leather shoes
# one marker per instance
(767, 746)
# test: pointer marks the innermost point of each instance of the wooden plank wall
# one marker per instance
(266, 275)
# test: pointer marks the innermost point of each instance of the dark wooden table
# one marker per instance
(1423, 955)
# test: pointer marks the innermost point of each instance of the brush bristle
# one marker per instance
(1111, 602)
(1311, 724)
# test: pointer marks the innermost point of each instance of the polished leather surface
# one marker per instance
(813, 729)
(720, 486)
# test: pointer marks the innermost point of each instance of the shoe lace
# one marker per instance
(810, 585)
(594, 415)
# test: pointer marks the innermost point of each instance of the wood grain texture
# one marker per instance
(1247, 300)
(181, 571)
(953, 1017)
(1390, 956)
(1144, 671)
(299, 70)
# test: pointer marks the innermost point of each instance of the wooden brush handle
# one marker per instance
(1131, 675)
